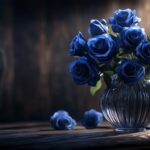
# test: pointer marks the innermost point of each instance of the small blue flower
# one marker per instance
(78, 46)
(143, 52)
(61, 120)
(97, 27)
(92, 118)
(123, 18)
(132, 37)
(83, 71)
(130, 71)
(102, 48)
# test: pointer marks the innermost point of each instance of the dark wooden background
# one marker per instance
(35, 37)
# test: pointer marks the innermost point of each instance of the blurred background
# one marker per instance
(35, 37)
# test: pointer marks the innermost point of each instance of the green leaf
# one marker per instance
(147, 71)
(94, 89)
(76, 56)
(109, 72)
(121, 50)
(121, 53)
(147, 76)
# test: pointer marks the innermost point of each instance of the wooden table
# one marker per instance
(40, 135)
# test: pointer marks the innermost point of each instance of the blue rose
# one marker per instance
(132, 37)
(78, 46)
(123, 18)
(143, 52)
(61, 120)
(84, 71)
(130, 71)
(102, 48)
(97, 27)
(92, 118)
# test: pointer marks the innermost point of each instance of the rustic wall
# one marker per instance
(35, 36)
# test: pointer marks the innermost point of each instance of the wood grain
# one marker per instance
(41, 136)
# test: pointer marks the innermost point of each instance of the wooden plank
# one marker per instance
(22, 125)
(41, 135)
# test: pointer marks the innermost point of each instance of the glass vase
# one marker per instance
(127, 106)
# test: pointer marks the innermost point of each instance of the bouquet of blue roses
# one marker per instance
(117, 46)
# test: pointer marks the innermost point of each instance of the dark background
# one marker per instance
(35, 37)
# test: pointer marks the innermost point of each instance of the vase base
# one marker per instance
(130, 129)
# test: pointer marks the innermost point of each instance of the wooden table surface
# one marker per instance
(39, 135)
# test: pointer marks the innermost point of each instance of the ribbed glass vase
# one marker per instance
(127, 107)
